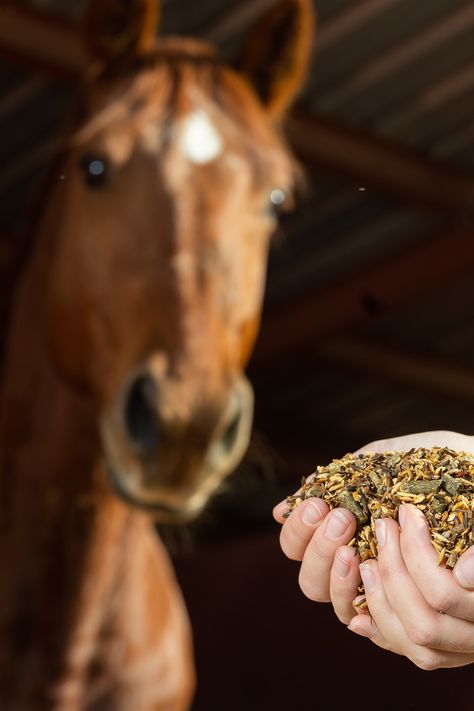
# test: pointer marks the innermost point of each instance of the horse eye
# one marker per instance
(277, 201)
(95, 170)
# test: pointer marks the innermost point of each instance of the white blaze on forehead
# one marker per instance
(200, 141)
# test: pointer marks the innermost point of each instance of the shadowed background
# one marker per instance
(368, 326)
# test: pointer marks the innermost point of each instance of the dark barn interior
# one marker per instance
(368, 327)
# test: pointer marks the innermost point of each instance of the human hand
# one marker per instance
(318, 538)
(406, 589)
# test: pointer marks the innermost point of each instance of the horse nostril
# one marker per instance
(140, 417)
(231, 432)
(229, 446)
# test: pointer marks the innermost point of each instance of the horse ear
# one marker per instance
(276, 55)
(117, 30)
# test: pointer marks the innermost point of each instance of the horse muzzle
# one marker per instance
(171, 469)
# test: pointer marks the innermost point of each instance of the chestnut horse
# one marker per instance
(133, 322)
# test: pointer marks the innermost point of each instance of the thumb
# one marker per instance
(464, 569)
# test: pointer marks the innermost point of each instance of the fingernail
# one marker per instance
(402, 516)
(311, 514)
(359, 604)
(368, 578)
(337, 524)
(380, 530)
(281, 509)
(341, 567)
(465, 571)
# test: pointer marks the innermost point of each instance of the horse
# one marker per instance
(123, 398)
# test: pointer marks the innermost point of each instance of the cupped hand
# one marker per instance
(318, 538)
(417, 608)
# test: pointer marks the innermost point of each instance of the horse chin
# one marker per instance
(160, 509)
(174, 503)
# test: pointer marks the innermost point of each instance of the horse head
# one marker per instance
(168, 203)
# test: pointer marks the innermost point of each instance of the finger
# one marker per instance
(436, 438)
(464, 570)
(359, 603)
(365, 626)
(300, 526)
(315, 572)
(436, 583)
(423, 625)
(392, 631)
(382, 626)
(378, 604)
(343, 583)
(279, 512)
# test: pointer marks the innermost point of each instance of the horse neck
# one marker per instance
(45, 426)
(58, 525)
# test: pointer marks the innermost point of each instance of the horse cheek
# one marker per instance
(248, 335)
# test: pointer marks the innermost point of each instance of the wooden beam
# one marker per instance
(438, 94)
(398, 280)
(240, 16)
(435, 376)
(431, 36)
(21, 93)
(350, 19)
(40, 40)
(381, 164)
